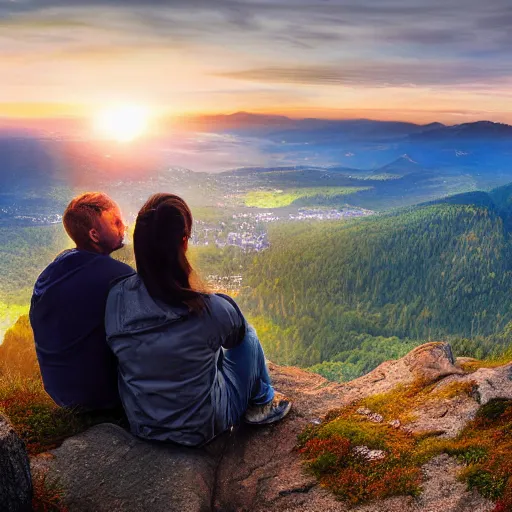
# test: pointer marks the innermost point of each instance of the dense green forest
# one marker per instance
(360, 292)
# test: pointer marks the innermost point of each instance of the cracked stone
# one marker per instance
(372, 416)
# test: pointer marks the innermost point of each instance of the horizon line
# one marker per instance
(169, 117)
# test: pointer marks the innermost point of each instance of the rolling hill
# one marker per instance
(356, 292)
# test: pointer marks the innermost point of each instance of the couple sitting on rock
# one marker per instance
(184, 363)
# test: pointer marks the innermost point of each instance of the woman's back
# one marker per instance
(175, 381)
(168, 375)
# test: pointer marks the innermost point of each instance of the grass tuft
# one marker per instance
(48, 495)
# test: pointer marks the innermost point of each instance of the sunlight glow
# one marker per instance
(123, 123)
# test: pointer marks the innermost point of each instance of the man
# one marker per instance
(68, 307)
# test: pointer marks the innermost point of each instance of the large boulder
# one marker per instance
(450, 415)
(106, 469)
(492, 383)
(426, 363)
(15, 477)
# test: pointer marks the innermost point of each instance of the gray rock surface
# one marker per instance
(447, 416)
(492, 383)
(451, 415)
(107, 469)
(443, 491)
(15, 477)
(267, 470)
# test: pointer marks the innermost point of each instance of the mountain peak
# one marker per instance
(405, 158)
(401, 166)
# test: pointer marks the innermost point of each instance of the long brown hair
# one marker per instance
(163, 225)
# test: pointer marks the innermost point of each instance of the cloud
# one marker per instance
(321, 16)
(379, 74)
(459, 28)
(234, 44)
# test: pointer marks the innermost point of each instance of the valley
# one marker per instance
(338, 267)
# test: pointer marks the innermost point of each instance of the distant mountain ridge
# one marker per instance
(452, 158)
(293, 129)
(247, 121)
(365, 143)
(477, 130)
(262, 124)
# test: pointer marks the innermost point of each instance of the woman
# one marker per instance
(190, 366)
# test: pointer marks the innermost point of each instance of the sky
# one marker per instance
(415, 60)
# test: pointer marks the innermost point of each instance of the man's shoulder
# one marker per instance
(129, 278)
(112, 269)
(116, 264)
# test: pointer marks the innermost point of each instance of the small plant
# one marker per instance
(330, 454)
(494, 409)
(48, 495)
(473, 365)
(37, 419)
(454, 389)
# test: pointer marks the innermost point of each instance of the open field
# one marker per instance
(280, 198)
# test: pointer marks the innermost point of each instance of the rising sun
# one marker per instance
(122, 123)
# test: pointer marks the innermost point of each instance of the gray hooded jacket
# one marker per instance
(169, 382)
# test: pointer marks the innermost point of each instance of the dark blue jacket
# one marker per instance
(171, 386)
(67, 316)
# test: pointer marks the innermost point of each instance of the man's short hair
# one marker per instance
(82, 214)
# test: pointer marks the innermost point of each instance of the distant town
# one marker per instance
(17, 215)
(247, 230)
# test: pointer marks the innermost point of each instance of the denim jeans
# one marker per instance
(246, 378)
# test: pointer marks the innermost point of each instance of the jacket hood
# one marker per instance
(130, 309)
(64, 266)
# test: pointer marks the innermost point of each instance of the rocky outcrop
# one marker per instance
(490, 383)
(450, 415)
(258, 469)
(106, 469)
(15, 478)
(427, 363)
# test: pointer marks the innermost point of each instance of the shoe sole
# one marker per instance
(272, 419)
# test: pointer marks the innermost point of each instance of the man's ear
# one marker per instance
(94, 235)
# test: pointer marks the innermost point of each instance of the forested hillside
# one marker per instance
(361, 292)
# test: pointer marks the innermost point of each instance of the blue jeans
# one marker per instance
(246, 378)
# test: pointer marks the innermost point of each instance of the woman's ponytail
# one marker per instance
(162, 229)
